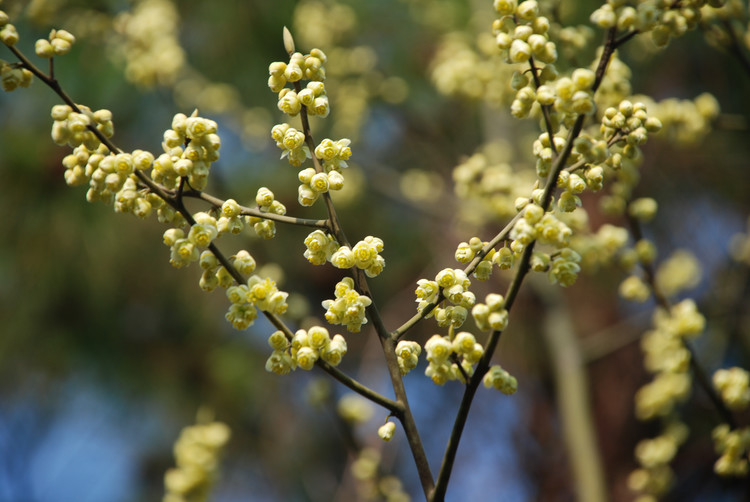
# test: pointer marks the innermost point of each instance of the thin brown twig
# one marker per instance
(545, 108)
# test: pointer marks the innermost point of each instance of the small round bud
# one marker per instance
(386, 431)
(44, 49)
(9, 35)
(520, 52)
(643, 209)
(528, 10)
(288, 41)
(634, 289)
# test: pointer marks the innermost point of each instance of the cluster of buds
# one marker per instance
(267, 203)
(308, 67)
(333, 157)
(8, 32)
(501, 380)
(320, 247)
(72, 128)
(365, 255)
(291, 142)
(230, 220)
(564, 267)
(305, 348)
(667, 357)
(466, 251)
(522, 36)
(654, 477)
(586, 149)
(313, 97)
(313, 184)
(247, 298)
(111, 177)
(299, 67)
(348, 306)
(734, 386)
(12, 76)
(455, 285)
(197, 454)
(134, 199)
(214, 274)
(190, 146)
(444, 356)
(629, 122)
(662, 19)
(521, 33)
(333, 154)
(186, 249)
(256, 294)
(59, 43)
(407, 353)
(491, 315)
(264, 294)
(538, 224)
(570, 96)
(734, 448)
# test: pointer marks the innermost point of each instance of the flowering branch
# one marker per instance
(175, 199)
(568, 157)
(513, 289)
(402, 411)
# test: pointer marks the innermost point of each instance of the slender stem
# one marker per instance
(441, 484)
(545, 108)
(252, 211)
(395, 408)
(333, 220)
(401, 330)
(405, 416)
(501, 236)
(625, 38)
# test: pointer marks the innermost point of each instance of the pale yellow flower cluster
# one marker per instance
(197, 453)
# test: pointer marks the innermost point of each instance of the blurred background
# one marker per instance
(107, 352)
